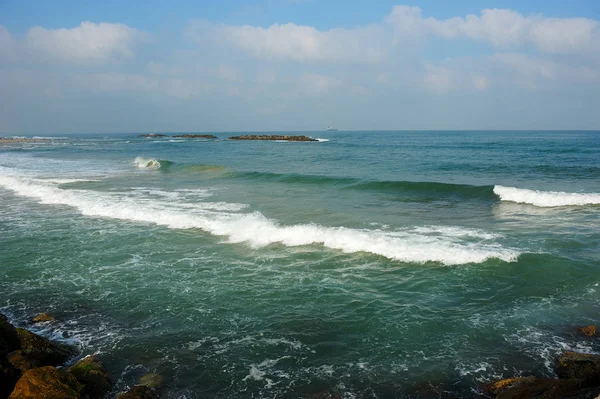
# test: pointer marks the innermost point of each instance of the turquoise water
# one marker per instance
(370, 264)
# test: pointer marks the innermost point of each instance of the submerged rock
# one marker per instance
(47, 383)
(90, 372)
(42, 317)
(41, 349)
(139, 392)
(272, 137)
(195, 136)
(579, 365)
(588, 331)
(152, 380)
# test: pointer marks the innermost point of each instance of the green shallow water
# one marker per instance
(378, 264)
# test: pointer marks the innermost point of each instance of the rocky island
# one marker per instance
(195, 136)
(272, 138)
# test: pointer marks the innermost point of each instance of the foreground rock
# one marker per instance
(48, 383)
(579, 365)
(153, 135)
(538, 388)
(195, 136)
(43, 350)
(272, 138)
(90, 372)
(9, 339)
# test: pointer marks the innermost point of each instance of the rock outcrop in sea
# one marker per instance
(195, 136)
(28, 367)
(272, 137)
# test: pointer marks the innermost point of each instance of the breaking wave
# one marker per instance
(546, 198)
(449, 246)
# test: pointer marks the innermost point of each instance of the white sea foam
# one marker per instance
(256, 230)
(322, 140)
(146, 163)
(545, 198)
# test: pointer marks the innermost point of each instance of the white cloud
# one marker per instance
(86, 43)
(504, 28)
(536, 68)
(291, 42)
(480, 82)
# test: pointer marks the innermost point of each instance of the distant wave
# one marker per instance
(377, 185)
(546, 198)
(445, 245)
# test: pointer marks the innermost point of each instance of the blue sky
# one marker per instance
(131, 66)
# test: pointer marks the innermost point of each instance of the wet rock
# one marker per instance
(272, 138)
(139, 392)
(579, 365)
(46, 383)
(43, 317)
(90, 372)
(541, 388)
(152, 380)
(195, 136)
(22, 362)
(9, 340)
(498, 386)
(42, 349)
(588, 331)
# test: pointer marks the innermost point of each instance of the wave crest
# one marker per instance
(416, 245)
(546, 199)
(146, 163)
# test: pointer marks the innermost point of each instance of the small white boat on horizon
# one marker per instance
(330, 129)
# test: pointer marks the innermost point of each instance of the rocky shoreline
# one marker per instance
(32, 366)
(273, 137)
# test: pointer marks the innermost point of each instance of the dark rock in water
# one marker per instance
(502, 385)
(139, 392)
(9, 340)
(22, 362)
(8, 378)
(579, 365)
(42, 317)
(90, 372)
(272, 138)
(152, 380)
(47, 383)
(541, 388)
(42, 349)
(152, 135)
(195, 136)
(588, 331)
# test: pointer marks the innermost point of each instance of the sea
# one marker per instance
(395, 264)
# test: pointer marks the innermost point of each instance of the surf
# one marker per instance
(545, 199)
(447, 246)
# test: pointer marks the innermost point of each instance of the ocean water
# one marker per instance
(368, 264)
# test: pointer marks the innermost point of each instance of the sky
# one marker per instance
(298, 65)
